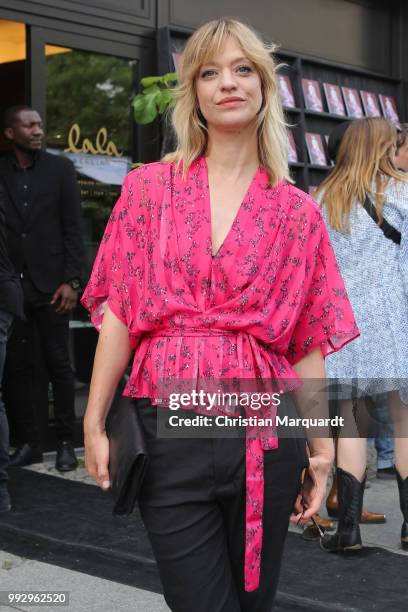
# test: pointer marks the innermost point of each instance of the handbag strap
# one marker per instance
(388, 230)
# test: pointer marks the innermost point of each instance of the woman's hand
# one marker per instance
(313, 489)
(97, 457)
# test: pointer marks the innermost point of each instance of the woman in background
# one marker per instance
(375, 271)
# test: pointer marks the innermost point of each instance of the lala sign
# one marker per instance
(102, 145)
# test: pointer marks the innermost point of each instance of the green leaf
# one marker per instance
(7, 565)
(151, 80)
(170, 77)
(145, 111)
(165, 100)
(151, 90)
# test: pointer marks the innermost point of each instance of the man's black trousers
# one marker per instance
(51, 330)
(193, 506)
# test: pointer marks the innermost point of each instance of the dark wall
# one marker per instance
(351, 32)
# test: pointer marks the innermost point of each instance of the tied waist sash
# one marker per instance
(255, 445)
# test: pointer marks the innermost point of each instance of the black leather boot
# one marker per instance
(403, 495)
(350, 494)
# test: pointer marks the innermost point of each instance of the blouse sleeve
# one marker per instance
(111, 281)
(325, 318)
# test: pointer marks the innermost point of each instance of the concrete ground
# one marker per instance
(91, 594)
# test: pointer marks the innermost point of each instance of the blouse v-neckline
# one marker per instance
(239, 213)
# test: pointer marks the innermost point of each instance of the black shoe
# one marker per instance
(5, 504)
(403, 495)
(350, 494)
(66, 459)
(25, 455)
(386, 473)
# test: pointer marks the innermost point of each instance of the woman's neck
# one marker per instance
(232, 153)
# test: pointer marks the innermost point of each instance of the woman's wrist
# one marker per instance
(93, 426)
(323, 448)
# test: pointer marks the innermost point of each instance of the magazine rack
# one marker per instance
(302, 120)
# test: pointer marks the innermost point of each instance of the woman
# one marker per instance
(214, 267)
(375, 272)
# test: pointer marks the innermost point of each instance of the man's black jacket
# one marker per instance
(46, 241)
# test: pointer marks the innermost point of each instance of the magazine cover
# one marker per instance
(315, 149)
(292, 153)
(334, 100)
(370, 103)
(353, 104)
(286, 91)
(389, 108)
(312, 95)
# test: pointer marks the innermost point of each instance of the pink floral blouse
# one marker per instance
(270, 295)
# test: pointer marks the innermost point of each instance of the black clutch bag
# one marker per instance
(128, 459)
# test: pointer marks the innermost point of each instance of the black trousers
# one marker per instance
(6, 320)
(52, 332)
(193, 506)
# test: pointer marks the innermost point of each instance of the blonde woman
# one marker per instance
(375, 269)
(212, 266)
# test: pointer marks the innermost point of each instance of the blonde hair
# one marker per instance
(363, 168)
(188, 123)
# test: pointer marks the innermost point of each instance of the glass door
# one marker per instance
(89, 120)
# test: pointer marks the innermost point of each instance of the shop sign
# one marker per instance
(102, 145)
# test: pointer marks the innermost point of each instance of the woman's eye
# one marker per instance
(244, 69)
(207, 73)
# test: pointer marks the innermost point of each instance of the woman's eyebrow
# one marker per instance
(233, 61)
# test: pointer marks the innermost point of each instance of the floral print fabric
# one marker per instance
(270, 295)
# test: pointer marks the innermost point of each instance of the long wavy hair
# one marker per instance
(364, 166)
(189, 124)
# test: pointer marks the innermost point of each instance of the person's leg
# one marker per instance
(351, 475)
(6, 319)
(352, 451)
(18, 384)
(399, 417)
(185, 524)
(384, 440)
(53, 332)
(282, 472)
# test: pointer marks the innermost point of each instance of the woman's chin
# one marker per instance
(233, 125)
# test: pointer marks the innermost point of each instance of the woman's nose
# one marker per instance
(227, 80)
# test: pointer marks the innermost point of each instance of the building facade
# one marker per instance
(79, 62)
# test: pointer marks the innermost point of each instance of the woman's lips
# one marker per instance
(231, 102)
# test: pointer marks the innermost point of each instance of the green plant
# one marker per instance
(155, 98)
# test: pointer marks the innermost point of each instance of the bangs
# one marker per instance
(209, 43)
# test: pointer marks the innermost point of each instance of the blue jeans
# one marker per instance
(6, 319)
(384, 440)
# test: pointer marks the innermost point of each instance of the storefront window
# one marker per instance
(12, 67)
(89, 120)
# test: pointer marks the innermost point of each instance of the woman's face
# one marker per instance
(229, 91)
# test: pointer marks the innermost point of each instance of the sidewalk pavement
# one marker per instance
(91, 594)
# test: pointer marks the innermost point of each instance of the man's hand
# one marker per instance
(67, 298)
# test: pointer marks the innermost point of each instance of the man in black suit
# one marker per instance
(45, 245)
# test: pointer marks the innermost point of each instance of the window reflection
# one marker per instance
(89, 120)
(12, 69)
